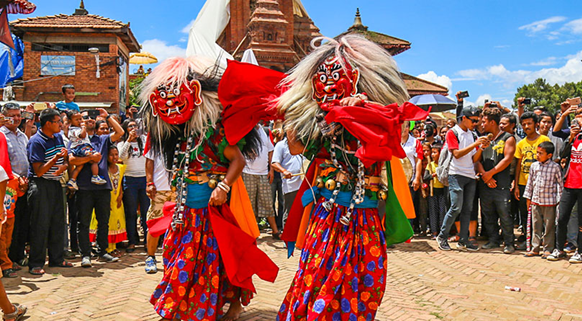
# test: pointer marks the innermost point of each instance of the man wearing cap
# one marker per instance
(466, 150)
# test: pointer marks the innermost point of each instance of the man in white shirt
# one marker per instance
(466, 150)
(257, 177)
(159, 191)
(288, 165)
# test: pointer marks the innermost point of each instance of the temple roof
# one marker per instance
(392, 44)
(417, 86)
(80, 21)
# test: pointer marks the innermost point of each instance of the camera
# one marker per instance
(27, 115)
(493, 105)
(464, 94)
(527, 101)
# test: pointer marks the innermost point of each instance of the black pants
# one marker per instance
(21, 230)
(569, 198)
(73, 222)
(48, 222)
(278, 199)
(87, 201)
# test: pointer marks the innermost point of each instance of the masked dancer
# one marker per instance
(210, 251)
(344, 110)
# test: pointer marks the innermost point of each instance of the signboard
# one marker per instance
(57, 65)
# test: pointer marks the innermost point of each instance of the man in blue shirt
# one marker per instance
(68, 103)
(47, 156)
(95, 197)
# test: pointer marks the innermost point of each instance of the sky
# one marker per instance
(489, 48)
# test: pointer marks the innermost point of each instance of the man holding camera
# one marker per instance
(16, 145)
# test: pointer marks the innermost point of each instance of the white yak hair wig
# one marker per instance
(379, 78)
(175, 72)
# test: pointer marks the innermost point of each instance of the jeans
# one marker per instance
(278, 199)
(495, 207)
(134, 194)
(73, 223)
(87, 201)
(47, 232)
(569, 198)
(462, 191)
(437, 209)
(522, 208)
(289, 200)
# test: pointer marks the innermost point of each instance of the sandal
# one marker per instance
(63, 264)
(16, 267)
(276, 236)
(472, 239)
(531, 254)
(9, 273)
(130, 248)
(36, 271)
(19, 311)
(454, 238)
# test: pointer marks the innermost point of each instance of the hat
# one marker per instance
(470, 111)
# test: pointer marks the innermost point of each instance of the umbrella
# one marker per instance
(436, 102)
(142, 58)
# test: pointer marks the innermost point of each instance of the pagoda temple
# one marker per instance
(280, 32)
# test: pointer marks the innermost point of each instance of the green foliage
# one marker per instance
(134, 90)
(549, 96)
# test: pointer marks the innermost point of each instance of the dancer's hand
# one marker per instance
(217, 198)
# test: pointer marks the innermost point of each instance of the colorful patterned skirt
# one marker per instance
(342, 271)
(195, 285)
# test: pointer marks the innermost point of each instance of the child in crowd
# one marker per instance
(117, 231)
(424, 191)
(438, 195)
(80, 146)
(543, 192)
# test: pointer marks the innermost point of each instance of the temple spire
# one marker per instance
(358, 22)
(81, 11)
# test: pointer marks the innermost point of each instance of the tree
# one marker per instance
(544, 94)
(134, 90)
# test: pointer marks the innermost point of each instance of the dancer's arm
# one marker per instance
(237, 163)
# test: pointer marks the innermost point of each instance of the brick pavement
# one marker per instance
(423, 284)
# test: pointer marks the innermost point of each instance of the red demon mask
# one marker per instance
(176, 105)
(332, 81)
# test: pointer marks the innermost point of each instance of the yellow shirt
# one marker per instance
(432, 169)
(526, 150)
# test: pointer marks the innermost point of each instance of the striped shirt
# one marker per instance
(17, 150)
(41, 149)
(545, 183)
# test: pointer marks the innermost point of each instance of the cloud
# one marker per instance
(571, 71)
(162, 50)
(545, 62)
(441, 80)
(541, 25)
(501, 46)
(574, 27)
(188, 27)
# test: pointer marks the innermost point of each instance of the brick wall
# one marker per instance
(84, 80)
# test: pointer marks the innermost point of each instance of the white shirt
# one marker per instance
(292, 163)
(131, 156)
(410, 148)
(260, 165)
(74, 138)
(161, 177)
(463, 166)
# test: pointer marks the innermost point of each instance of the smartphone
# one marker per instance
(464, 94)
(527, 101)
(574, 101)
(575, 123)
(9, 120)
(93, 113)
(40, 106)
(27, 115)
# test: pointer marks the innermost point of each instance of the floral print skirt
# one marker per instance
(195, 285)
(342, 271)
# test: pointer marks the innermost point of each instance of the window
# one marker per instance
(68, 47)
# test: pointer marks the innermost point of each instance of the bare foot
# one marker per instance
(233, 312)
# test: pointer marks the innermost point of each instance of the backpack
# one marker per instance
(442, 171)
